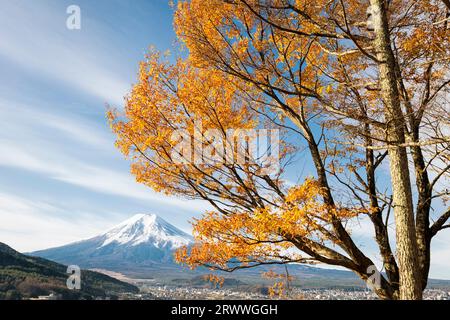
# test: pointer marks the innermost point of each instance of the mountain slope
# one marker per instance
(144, 241)
(23, 276)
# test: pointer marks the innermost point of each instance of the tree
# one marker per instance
(356, 94)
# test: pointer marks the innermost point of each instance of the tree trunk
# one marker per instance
(410, 280)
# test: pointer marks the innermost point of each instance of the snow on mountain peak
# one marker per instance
(147, 228)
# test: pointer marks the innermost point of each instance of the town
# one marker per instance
(150, 292)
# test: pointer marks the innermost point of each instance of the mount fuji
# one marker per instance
(144, 242)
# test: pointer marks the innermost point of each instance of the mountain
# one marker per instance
(145, 241)
(23, 276)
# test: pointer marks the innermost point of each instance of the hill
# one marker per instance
(23, 277)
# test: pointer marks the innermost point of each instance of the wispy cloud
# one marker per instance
(95, 178)
(37, 40)
(21, 120)
(42, 224)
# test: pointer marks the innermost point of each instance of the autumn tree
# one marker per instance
(360, 85)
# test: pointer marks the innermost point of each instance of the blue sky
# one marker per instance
(62, 179)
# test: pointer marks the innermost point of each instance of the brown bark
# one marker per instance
(410, 282)
(381, 232)
(423, 185)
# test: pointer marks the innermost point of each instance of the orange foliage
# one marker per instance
(266, 235)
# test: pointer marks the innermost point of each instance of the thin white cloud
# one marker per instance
(17, 118)
(43, 225)
(30, 39)
(95, 178)
(21, 146)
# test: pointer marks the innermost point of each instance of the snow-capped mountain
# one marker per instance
(143, 241)
(146, 229)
